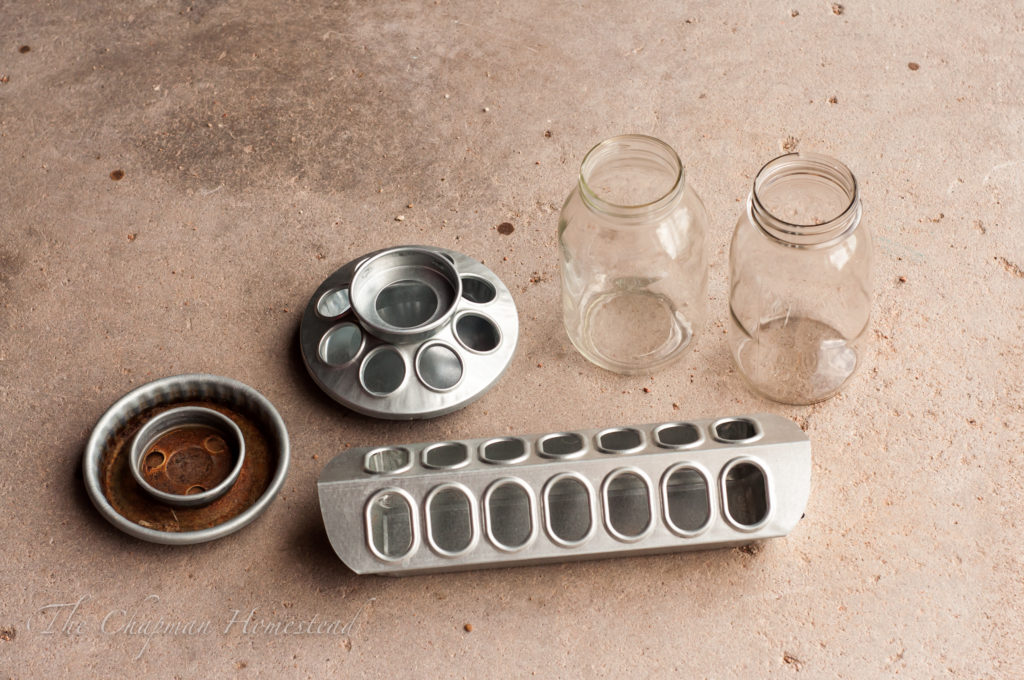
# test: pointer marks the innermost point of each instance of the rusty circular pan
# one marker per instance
(120, 499)
(187, 456)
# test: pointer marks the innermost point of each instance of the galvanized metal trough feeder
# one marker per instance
(502, 501)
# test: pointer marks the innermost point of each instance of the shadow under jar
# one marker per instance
(800, 289)
(633, 267)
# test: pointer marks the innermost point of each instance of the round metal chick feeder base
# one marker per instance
(409, 332)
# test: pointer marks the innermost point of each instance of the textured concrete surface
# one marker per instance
(264, 144)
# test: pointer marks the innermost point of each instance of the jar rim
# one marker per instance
(797, 234)
(617, 144)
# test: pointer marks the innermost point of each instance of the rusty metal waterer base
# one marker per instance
(122, 501)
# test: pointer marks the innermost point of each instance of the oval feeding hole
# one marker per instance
(504, 451)
(406, 304)
(509, 515)
(439, 367)
(385, 461)
(567, 509)
(333, 303)
(620, 441)
(451, 520)
(678, 435)
(746, 494)
(446, 456)
(477, 333)
(687, 500)
(627, 501)
(383, 371)
(565, 444)
(477, 290)
(736, 430)
(390, 525)
(341, 344)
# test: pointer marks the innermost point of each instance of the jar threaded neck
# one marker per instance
(630, 177)
(814, 176)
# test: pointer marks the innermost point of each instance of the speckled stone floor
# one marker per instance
(179, 177)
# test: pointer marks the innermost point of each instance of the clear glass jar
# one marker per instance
(633, 266)
(800, 280)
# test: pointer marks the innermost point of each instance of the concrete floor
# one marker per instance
(264, 144)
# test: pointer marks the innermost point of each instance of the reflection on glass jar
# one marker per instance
(633, 267)
(800, 290)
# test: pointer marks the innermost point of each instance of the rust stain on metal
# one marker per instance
(133, 503)
(188, 460)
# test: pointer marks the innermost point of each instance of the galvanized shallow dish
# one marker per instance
(409, 332)
(113, 490)
(504, 501)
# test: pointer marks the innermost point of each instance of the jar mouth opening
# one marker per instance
(654, 179)
(805, 200)
(814, 166)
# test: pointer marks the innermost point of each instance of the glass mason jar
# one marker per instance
(633, 267)
(800, 289)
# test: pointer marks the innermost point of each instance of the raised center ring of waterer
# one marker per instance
(187, 456)
(405, 294)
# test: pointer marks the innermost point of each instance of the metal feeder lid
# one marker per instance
(409, 332)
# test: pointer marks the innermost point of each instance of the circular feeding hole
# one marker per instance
(504, 451)
(194, 489)
(622, 440)
(333, 303)
(401, 294)
(383, 371)
(155, 459)
(565, 444)
(734, 430)
(215, 444)
(341, 344)
(477, 290)
(406, 304)
(439, 367)
(678, 435)
(477, 333)
(446, 456)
